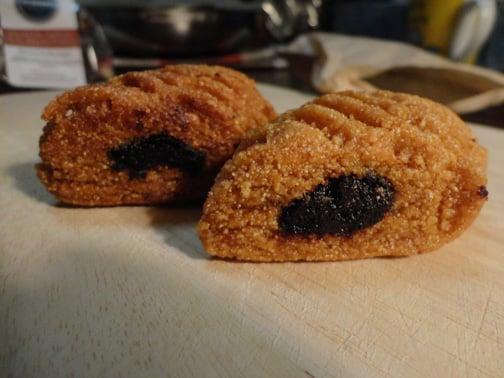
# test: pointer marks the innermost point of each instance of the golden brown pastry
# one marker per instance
(349, 175)
(147, 137)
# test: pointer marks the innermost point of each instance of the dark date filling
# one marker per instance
(142, 154)
(483, 192)
(342, 206)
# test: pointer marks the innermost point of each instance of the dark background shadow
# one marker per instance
(175, 223)
(26, 180)
(177, 226)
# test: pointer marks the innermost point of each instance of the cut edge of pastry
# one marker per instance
(207, 109)
(213, 226)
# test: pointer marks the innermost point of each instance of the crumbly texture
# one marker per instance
(436, 167)
(208, 109)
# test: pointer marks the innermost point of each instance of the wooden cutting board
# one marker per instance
(129, 292)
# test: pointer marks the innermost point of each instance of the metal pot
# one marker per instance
(190, 28)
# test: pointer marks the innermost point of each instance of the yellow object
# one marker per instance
(435, 21)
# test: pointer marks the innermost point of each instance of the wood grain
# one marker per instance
(129, 292)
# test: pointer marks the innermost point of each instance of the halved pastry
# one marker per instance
(147, 137)
(349, 175)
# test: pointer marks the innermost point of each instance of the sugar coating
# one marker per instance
(209, 108)
(426, 151)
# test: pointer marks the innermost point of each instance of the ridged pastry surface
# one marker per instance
(207, 109)
(435, 167)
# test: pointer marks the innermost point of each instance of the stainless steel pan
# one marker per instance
(190, 28)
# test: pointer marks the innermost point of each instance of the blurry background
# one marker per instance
(463, 30)
(251, 35)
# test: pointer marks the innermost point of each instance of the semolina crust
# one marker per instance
(207, 107)
(424, 149)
